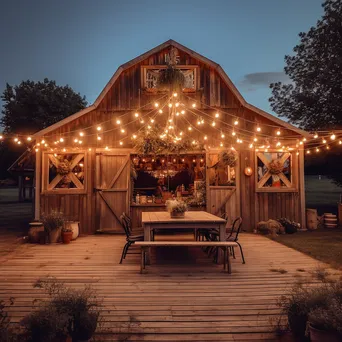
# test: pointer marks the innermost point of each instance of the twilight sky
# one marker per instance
(83, 42)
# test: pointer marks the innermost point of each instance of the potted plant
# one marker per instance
(325, 323)
(176, 208)
(53, 224)
(66, 234)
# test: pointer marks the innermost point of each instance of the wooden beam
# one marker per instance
(302, 188)
(38, 180)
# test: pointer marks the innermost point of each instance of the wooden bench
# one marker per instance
(222, 244)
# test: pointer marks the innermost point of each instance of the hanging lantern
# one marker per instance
(248, 171)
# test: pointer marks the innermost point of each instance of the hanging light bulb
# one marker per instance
(142, 121)
(1, 137)
(315, 136)
(202, 121)
(181, 133)
(19, 142)
(198, 122)
(251, 145)
(37, 149)
(152, 120)
(134, 136)
(175, 94)
(221, 144)
(136, 115)
(106, 148)
(149, 127)
(29, 138)
(236, 122)
(170, 105)
(99, 128)
(324, 141)
(304, 139)
(217, 115)
(177, 104)
(205, 137)
(76, 140)
(160, 111)
(278, 132)
(333, 137)
(122, 130)
(89, 149)
(255, 139)
(118, 122)
(99, 138)
(328, 147)
(156, 104)
(340, 142)
(258, 128)
(80, 142)
(317, 149)
(61, 140)
(177, 113)
(121, 143)
(233, 134)
(194, 105)
(190, 128)
(213, 123)
(278, 143)
(222, 135)
(194, 142)
(308, 152)
(64, 149)
(182, 112)
(81, 134)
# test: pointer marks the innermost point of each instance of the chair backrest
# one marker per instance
(125, 225)
(128, 221)
(236, 227)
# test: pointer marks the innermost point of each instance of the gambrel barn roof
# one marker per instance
(197, 56)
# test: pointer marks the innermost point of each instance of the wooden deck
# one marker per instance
(192, 301)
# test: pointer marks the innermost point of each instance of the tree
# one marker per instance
(313, 99)
(32, 106)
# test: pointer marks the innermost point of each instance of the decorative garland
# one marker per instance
(149, 142)
(171, 78)
(275, 167)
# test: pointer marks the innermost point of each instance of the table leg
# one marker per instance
(147, 237)
(228, 262)
(225, 258)
(222, 229)
(142, 262)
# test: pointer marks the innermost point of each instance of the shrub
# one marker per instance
(53, 221)
(290, 226)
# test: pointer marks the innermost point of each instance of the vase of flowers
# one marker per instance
(176, 208)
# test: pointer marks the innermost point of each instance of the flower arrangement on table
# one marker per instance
(176, 208)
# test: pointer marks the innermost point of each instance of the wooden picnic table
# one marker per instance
(192, 220)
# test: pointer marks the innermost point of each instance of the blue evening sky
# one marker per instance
(83, 42)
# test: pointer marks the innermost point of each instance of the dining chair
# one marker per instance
(233, 236)
(202, 234)
(130, 238)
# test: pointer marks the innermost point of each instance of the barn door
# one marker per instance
(112, 190)
(223, 189)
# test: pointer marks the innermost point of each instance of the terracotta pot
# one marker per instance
(66, 237)
(55, 235)
(34, 231)
(317, 335)
(177, 214)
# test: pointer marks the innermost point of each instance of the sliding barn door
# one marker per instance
(223, 189)
(112, 190)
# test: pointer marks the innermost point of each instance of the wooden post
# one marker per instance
(38, 179)
(302, 188)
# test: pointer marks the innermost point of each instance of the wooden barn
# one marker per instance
(170, 123)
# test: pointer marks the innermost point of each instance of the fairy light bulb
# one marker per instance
(99, 138)
(1, 137)
(205, 137)
(142, 121)
(122, 130)
(118, 122)
(134, 136)
(182, 112)
(317, 149)
(170, 120)
(19, 142)
(324, 141)
(160, 111)
(328, 147)
(222, 135)
(181, 133)
(194, 105)
(156, 104)
(152, 120)
(149, 127)
(75, 140)
(37, 149)
(250, 145)
(278, 132)
(46, 145)
(217, 115)
(233, 134)
(198, 122)
(89, 149)
(316, 136)
(255, 139)
(29, 138)
(99, 128)
(170, 105)
(61, 140)
(278, 143)
(81, 134)
(80, 142)
(106, 148)
(333, 137)
(136, 115)
(213, 123)
(121, 143)
(236, 122)
(175, 94)
(64, 149)
(308, 152)
(177, 104)
(221, 144)
(258, 129)
(190, 128)
(340, 142)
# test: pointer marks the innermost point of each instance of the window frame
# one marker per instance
(63, 191)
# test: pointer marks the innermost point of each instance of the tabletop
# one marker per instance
(190, 217)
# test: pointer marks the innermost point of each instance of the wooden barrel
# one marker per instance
(311, 219)
(330, 220)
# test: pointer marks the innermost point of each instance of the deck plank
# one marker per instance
(187, 299)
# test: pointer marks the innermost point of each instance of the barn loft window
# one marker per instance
(274, 171)
(150, 75)
(64, 171)
(158, 178)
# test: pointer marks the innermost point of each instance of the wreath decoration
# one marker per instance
(171, 78)
(275, 167)
(64, 167)
(226, 159)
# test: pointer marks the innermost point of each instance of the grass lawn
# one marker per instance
(324, 245)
